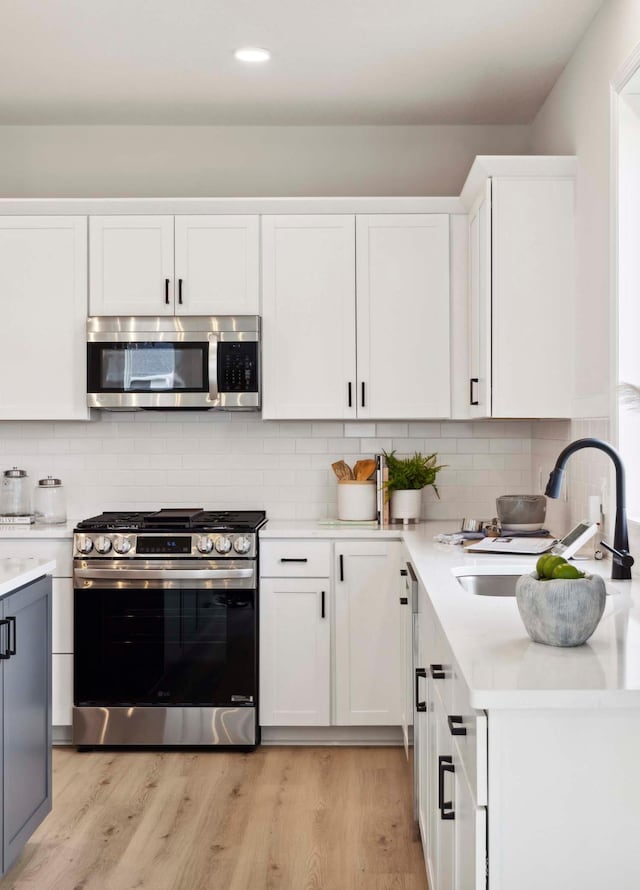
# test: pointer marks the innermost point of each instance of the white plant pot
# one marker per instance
(406, 504)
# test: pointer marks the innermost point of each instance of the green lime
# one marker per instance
(540, 564)
(567, 571)
(551, 564)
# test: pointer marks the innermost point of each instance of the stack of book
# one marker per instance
(382, 476)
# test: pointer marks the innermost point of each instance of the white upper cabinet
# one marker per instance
(43, 291)
(533, 275)
(131, 265)
(182, 265)
(313, 267)
(217, 265)
(480, 306)
(521, 310)
(308, 304)
(403, 315)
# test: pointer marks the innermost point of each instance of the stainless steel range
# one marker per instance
(165, 628)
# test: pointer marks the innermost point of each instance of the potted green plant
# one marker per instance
(407, 477)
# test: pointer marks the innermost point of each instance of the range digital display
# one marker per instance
(166, 545)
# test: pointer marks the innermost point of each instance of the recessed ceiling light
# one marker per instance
(252, 54)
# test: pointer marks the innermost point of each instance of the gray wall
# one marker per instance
(126, 161)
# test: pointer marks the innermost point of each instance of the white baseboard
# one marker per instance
(332, 735)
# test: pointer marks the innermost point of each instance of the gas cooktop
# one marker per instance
(177, 519)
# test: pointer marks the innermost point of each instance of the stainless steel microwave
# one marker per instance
(172, 362)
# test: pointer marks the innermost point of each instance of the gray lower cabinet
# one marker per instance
(25, 714)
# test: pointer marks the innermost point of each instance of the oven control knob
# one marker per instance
(103, 544)
(84, 544)
(121, 544)
(205, 544)
(223, 545)
(242, 544)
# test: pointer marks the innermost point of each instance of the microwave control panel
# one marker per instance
(238, 367)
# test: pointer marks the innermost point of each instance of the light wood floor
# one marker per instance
(275, 819)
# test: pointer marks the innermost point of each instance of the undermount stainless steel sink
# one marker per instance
(489, 585)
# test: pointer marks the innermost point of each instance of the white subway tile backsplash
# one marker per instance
(143, 461)
(473, 446)
(311, 446)
(395, 430)
(359, 430)
(429, 428)
(374, 446)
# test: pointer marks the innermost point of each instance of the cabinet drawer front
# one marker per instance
(295, 559)
(472, 745)
(60, 550)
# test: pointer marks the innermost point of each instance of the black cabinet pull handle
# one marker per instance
(455, 726)
(349, 394)
(445, 765)
(12, 626)
(341, 567)
(322, 612)
(437, 672)
(293, 559)
(473, 380)
(7, 651)
(403, 572)
(166, 291)
(404, 601)
(363, 402)
(420, 705)
(180, 291)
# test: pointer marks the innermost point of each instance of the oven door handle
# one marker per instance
(164, 574)
(214, 394)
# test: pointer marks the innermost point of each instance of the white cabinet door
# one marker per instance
(444, 801)
(403, 316)
(62, 694)
(308, 315)
(131, 265)
(43, 293)
(367, 634)
(62, 616)
(479, 401)
(470, 836)
(217, 265)
(406, 659)
(295, 652)
(533, 275)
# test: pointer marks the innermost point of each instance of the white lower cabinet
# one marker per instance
(330, 645)
(62, 682)
(295, 652)
(367, 634)
(451, 752)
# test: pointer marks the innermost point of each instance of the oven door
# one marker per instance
(160, 635)
(168, 370)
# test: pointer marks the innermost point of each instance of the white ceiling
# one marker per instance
(334, 61)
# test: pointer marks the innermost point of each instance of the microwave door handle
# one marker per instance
(214, 395)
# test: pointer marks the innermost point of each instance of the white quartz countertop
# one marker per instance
(500, 664)
(15, 573)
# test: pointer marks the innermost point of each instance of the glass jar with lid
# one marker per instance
(15, 496)
(50, 502)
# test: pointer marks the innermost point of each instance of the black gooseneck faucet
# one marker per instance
(621, 558)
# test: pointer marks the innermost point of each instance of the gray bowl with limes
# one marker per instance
(560, 611)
